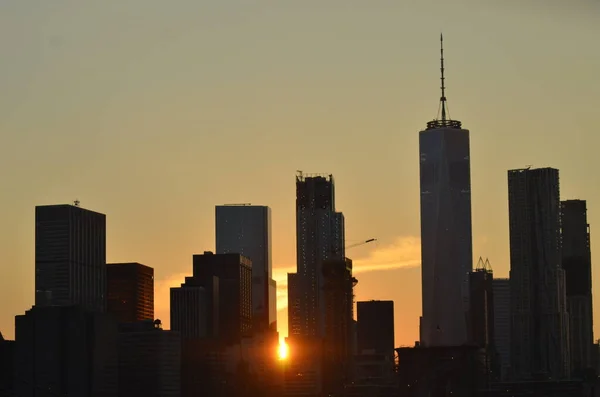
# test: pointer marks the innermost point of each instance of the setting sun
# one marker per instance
(282, 352)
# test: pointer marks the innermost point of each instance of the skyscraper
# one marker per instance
(481, 305)
(246, 229)
(577, 264)
(319, 237)
(501, 292)
(446, 240)
(130, 292)
(234, 272)
(70, 257)
(539, 319)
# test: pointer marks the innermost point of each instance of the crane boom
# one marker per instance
(361, 243)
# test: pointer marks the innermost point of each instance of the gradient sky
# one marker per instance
(152, 112)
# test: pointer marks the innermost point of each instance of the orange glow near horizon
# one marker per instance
(283, 350)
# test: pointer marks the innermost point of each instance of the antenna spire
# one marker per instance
(443, 87)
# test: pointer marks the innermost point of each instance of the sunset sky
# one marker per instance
(154, 111)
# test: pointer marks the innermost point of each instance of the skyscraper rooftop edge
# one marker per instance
(301, 176)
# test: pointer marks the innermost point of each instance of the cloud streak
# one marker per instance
(404, 252)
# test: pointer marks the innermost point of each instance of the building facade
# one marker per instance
(65, 351)
(501, 291)
(130, 292)
(319, 237)
(149, 360)
(7, 367)
(539, 319)
(446, 235)
(577, 264)
(234, 272)
(481, 307)
(376, 327)
(246, 229)
(70, 257)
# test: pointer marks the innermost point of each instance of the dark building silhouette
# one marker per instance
(70, 257)
(577, 264)
(374, 362)
(65, 351)
(7, 367)
(481, 311)
(130, 292)
(501, 293)
(234, 272)
(446, 234)
(441, 371)
(319, 237)
(539, 320)
(376, 327)
(149, 360)
(339, 314)
(246, 229)
(195, 308)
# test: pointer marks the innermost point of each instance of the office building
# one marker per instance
(446, 236)
(374, 362)
(195, 308)
(149, 360)
(501, 292)
(577, 264)
(65, 351)
(234, 272)
(7, 367)
(539, 320)
(376, 327)
(70, 257)
(130, 292)
(481, 305)
(338, 295)
(246, 229)
(319, 237)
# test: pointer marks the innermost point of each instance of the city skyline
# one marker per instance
(376, 183)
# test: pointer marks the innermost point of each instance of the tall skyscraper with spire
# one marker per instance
(446, 236)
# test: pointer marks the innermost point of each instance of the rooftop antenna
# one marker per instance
(442, 78)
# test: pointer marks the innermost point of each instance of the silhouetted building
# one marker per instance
(195, 308)
(246, 229)
(374, 362)
(501, 292)
(481, 305)
(441, 371)
(130, 292)
(446, 235)
(376, 327)
(339, 314)
(539, 319)
(234, 272)
(319, 237)
(66, 351)
(303, 372)
(70, 257)
(149, 360)
(577, 264)
(7, 367)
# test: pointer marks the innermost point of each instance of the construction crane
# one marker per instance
(361, 243)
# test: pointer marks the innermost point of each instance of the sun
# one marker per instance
(282, 351)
